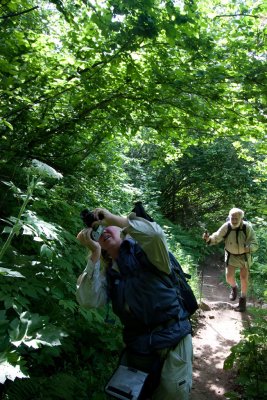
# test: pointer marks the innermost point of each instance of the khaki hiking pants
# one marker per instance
(176, 375)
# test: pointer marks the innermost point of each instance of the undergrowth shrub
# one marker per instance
(50, 348)
(249, 358)
(258, 270)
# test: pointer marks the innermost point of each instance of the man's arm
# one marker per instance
(152, 239)
(217, 236)
(148, 234)
(252, 244)
(91, 285)
(106, 218)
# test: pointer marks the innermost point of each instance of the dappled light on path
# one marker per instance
(219, 329)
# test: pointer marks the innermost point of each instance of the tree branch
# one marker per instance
(236, 15)
(20, 13)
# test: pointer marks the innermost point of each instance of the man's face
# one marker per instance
(235, 220)
(110, 238)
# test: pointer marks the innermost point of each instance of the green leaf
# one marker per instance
(45, 251)
(6, 123)
(27, 230)
(7, 229)
(33, 331)
(229, 362)
(68, 305)
(9, 272)
(9, 371)
(37, 239)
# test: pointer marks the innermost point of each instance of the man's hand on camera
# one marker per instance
(102, 216)
(205, 236)
(106, 218)
(85, 239)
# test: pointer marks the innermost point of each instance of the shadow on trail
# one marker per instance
(213, 288)
(219, 328)
(210, 380)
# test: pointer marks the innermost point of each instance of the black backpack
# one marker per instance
(180, 279)
(177, 277)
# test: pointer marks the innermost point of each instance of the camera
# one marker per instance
(97, 232)
(88, 219)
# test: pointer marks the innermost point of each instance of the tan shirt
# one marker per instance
(237, 243)
(234, 244)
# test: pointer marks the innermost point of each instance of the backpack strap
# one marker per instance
(143, 259)
(244, 228)
(229, 229)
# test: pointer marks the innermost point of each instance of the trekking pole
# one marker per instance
(251, 288)
(201, 283)
(202, 274)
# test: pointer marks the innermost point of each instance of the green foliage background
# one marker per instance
(159, 101)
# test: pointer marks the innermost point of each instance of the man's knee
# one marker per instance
(243, 273)
(230, 272)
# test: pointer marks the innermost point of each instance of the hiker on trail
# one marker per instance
(240, 242)
(156, 328)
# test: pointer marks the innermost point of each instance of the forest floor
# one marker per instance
(219, 327)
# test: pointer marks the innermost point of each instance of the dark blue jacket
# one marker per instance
(149, 309)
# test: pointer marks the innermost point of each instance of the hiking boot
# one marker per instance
(242, 305)
(233, 293)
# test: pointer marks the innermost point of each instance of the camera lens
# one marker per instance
(87, 217)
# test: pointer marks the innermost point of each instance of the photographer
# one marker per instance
(156, 329)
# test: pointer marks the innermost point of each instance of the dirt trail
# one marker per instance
(219, 329)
